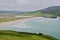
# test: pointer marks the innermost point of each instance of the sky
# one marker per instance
(27, 5)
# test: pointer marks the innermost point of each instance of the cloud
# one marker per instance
(27, 4)
(23, 1)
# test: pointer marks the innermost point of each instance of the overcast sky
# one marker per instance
(27, 5)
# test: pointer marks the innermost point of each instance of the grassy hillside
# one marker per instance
(42, 14)
(35, 13)
(14, 35)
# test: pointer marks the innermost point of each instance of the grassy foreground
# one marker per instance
(14, 35)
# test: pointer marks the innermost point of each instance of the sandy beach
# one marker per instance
(16, 21)
(11, 22)
(21, 21)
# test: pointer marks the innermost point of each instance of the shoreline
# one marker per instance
(11, 22)
(16, 21)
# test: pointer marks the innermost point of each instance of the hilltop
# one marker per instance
(15, 35)
(51, 12)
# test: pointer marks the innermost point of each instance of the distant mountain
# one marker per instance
(45, 10)
(11, 11)
(53, 9)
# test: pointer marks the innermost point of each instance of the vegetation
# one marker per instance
(33, 14)
(38, 13)
(42, 14)
(8, 19)
(14, 35)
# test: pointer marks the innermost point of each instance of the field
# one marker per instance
(14, 35)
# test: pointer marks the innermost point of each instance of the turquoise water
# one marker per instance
(39, 25)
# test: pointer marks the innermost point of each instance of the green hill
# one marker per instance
(50, 12)
(14, 35)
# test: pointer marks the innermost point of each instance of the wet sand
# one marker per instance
(11, 22)
(16, 21)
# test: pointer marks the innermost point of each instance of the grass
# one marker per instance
(38, 14)
(9, 19)
(14, 35)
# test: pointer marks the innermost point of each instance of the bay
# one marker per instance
(47, 26)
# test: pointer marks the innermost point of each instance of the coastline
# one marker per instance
(16, 21)
(21, 21)
(11, 22)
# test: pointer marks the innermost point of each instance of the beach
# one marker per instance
(16, 21)
(11, 22)
(21, 21)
